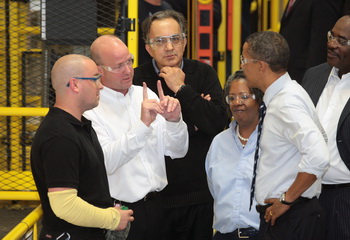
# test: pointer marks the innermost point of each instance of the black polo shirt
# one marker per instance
(66, 153)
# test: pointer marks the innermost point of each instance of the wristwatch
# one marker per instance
(283, 201)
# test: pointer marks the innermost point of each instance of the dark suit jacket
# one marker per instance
(305, 29)
(314, 81)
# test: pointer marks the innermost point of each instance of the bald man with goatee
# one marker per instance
(67, 160)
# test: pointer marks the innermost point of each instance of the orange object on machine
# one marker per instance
(204, 36)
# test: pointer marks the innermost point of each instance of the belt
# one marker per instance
(150, 196)
(299, 200)
(335, 186)
(246, 232)
(262, 208)
(239, 233)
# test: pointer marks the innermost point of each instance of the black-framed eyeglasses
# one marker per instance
(338, 40)
(118, 68)
(175, 39)
(242, 97)
(246, 60)
(98, 77)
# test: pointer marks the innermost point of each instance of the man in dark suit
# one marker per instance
(328, 85)
(304, 25)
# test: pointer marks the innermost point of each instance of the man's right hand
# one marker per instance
(150, 108)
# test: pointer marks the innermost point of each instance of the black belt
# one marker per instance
(335, 186)
(262, 208)
(241, 233)
(148, 197)
(299, 200)
(246, 232)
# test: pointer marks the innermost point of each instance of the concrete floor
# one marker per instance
(12, 213)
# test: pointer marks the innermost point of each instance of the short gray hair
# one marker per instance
(178, 17)
(271, 48)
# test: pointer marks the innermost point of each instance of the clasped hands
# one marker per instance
(167, 106)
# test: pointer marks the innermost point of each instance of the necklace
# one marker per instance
(239, 135)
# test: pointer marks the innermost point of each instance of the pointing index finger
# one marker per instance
(160, 90)
(145, 94)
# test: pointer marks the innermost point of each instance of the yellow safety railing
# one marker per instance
(23, 111)
(28, 226)
(27, 190)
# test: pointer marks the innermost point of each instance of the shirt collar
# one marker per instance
(69, 117)
(157, 69)
(110, 92)
(335, 71)
(275, 87)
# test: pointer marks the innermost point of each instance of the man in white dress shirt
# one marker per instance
(136, 129)
(294, 153)
(328, 85)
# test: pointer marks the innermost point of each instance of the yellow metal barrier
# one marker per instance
(19, 195)
(23, 111)
(24, 187)
(26, 225)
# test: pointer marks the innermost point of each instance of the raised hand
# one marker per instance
(171, 106)
(174, 77)
(149, 108)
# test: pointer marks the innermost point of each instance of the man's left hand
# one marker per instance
(171, 106)
(276, 210)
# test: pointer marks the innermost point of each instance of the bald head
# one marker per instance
(104, 47)
(66, 67)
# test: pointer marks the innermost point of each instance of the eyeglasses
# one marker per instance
(117, 68)
(338, 40)
(246, 60)
(176, 39)
(242, 97)
(98, 77)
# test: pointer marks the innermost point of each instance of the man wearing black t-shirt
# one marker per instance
(67, 160)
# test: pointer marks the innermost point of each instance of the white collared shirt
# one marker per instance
(329, 108)
(229, 169)
(134, 153)
(291, 141)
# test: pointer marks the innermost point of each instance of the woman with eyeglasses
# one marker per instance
(229, 163)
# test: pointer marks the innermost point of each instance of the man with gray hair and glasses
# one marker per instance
(294, 154)
(328, 85)
(187, 199)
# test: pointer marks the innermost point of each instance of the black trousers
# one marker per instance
(336, 203)
(303, 221)
(189, 223)
(149, 219)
